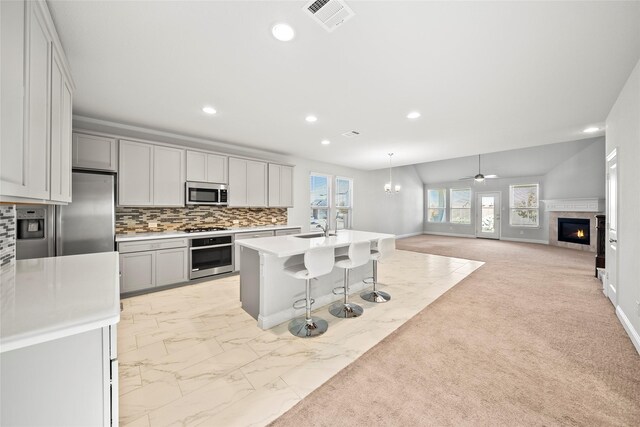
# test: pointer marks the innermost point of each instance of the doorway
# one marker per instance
(611, 282)
(488, 215)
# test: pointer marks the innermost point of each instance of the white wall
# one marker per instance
(623, 134)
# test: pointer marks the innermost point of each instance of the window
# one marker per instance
(319, 190)
(327, 203)
(436, 205)
(344, 187)
(460, 206)
(523, 204)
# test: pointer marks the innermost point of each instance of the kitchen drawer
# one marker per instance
(151, 245)
(288, 232)
(254, 235)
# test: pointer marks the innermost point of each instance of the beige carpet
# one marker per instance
(528, 339)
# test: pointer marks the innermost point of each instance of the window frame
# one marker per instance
(349, 208)
(443, 208)
(451, 208)
(329, 196)
(513, 208)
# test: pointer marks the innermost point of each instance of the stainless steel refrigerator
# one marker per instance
(84, 226)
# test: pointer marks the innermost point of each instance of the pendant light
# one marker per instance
(389, 185)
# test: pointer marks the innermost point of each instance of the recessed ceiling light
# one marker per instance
(325, 142)
(311, 119)
(208, 109)
(591, 130)
(413, 115)
(283, 32)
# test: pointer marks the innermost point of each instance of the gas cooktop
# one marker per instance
(203, 229)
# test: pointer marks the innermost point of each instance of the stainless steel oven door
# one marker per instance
(210, 260)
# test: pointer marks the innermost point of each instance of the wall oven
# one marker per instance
(210, 255)
(204, 193)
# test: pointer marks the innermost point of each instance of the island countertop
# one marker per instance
(49, 298)
(284, 246)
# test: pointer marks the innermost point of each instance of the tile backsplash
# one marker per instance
(136, 220)
(7, 234)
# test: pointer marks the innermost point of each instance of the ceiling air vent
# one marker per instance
(351, 134)
(329, 13)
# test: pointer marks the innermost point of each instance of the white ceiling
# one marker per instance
(486, 76)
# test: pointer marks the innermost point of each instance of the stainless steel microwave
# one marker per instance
(205, 193)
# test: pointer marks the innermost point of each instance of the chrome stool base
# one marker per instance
(375, 296)
(346, 310)
(304, 328)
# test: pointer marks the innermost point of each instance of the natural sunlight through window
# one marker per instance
(460, 206)
(436, 205)
(523, 204)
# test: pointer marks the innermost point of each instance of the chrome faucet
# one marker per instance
(324, 229)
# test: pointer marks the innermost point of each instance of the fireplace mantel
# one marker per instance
(574, 205)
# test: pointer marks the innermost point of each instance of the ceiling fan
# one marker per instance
(479, 177)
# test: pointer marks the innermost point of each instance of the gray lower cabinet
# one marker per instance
(242, 236)
(151, 263)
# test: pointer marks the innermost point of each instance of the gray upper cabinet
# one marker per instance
(168, 176)
(135, 177)
(280, 186)
(37, 93)
(247, 183)
(150, 175)
(94, 152)
(61, 98)
(206, 167)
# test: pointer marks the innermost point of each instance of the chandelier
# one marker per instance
(389, 185)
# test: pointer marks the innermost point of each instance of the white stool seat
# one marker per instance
(299, 271)
(375, 255)
(342, 261)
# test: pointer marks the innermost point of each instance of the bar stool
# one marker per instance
(385, 247)
(317, 262)
(359, 253)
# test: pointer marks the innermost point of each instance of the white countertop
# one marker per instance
(283, 246)
(132, 237)
(49, 298)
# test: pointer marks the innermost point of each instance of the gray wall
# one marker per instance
(623, 134)
(571, 170)
(582, 175)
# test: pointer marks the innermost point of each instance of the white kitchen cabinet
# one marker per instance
(138, 271)
(36, 106)
(247, 183)
(172, 266)
(168, 176)
(94, 152)
(150, 175)
(242, 236)
(280, 185)
(149, 263)
(61, 98)
(135, 177)
(206, 167)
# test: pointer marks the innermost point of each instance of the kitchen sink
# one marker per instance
(313, 235)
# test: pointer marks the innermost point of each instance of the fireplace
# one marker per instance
(574, 230)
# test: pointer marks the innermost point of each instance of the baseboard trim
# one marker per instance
(437, 233)
(402, 236)
(631, 331)
(514, 239)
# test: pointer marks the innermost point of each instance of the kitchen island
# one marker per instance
(58, 361)
(267, 292)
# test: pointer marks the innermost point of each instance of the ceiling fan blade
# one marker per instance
(491, 176)
(465, 178)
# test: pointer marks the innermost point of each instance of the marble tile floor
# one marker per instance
(191, 356)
